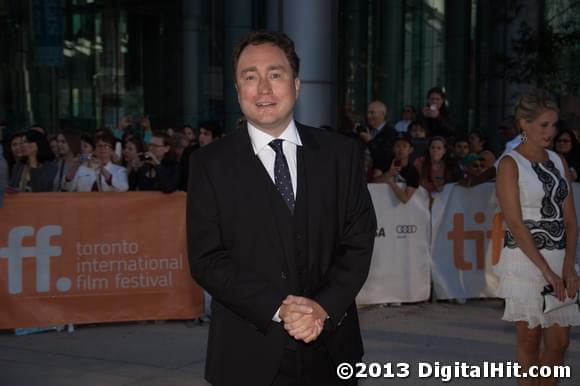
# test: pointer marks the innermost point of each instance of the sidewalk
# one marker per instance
(172, 354)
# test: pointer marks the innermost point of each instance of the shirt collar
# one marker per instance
(261, 139)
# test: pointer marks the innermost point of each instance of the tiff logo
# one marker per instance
(459, 236)
(15, 252)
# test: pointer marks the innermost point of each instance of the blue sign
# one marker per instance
(47, 24)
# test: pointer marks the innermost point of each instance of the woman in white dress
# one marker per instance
(540, 241)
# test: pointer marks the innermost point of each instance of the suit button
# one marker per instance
(283, 275)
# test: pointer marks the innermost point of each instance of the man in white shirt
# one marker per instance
(509, 132)
(280, 233)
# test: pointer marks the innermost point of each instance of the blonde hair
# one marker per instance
(533, 103)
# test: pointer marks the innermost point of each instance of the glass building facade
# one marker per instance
(85, 64)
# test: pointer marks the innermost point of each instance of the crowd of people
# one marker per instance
(425, 150)
(116, 160)
(422, 149)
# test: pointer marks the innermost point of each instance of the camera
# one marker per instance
(144, 157)
(85, 157)
(360, 128)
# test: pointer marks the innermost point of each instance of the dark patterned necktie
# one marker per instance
(282, 174)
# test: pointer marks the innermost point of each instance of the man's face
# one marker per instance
(408, 113)
(375, 115)
(62, 145)
(158, 148)
(475, 143)
(461, 149)
(475, 168)
(417, 131)
(205, 137)
(402, 150)
(267, 89)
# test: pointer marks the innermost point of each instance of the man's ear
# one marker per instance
(297, 86)
(237, 91)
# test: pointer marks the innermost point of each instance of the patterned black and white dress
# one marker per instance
(543, 190)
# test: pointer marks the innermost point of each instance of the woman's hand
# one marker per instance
(571, 280)
(430, 113)
(557, 283)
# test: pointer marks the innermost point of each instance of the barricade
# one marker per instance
(105, 257)
(400, 264)
(467, 237)
(94, 257)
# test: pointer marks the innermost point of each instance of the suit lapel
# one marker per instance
(311, 169)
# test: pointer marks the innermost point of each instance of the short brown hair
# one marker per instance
(107, 137)
(164, 136)
(279, 39)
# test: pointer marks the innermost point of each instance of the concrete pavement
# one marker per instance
(172, 354)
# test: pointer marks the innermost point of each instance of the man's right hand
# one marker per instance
(303, 318)
(365, 135)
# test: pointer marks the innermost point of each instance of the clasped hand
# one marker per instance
(303, 318)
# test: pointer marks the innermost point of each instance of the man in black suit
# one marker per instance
(280, 232)
(379, 136)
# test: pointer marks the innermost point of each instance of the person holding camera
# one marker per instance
(401, 170)
(436, 115)
(133, 149)
(159, 170)
(100, 174)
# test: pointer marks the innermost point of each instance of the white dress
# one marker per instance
(543, 191)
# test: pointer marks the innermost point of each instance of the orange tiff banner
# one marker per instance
(94, 257)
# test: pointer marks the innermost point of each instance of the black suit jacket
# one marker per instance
(381, 147)
(238, 253)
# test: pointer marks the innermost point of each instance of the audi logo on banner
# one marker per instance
(406, 229)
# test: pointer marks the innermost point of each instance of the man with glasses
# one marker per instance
(160, 169)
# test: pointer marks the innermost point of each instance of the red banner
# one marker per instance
(94, 257)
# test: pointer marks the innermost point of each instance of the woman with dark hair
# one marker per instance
(435, 114)
(476, 142)
(53, 143)
(87, 147)
(189, 132)
(36, 171)
(566, 144)
(13, 151)
(133, 153)
(69, 148)
(436, 168)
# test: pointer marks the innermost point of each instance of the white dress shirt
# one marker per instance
(260, 143)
